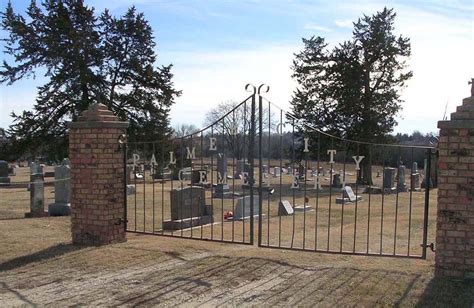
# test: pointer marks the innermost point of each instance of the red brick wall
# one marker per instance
(97, 178)
(455, 220)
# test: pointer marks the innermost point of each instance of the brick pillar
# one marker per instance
(455, 220)
(97, 177)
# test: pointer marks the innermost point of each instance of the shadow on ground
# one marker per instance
(45, 254)
(444, 292)
(221, 280)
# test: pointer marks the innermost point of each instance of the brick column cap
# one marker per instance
(98, 116)
(462, 118)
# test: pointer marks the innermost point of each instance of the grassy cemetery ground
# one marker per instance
(39, 266)
(15, 200)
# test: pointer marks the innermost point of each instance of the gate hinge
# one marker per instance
(121, 221)
(431, 246)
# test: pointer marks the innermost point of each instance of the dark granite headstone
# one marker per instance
(188, 209)
(4, 179)
(239, 169)
(222, 191)
(389, 178)
(187, 202)
(243, 208)
(336, 181)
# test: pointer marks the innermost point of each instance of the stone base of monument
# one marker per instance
(392, 190)
(373, 190)
(402, 188)
(186, 223)
(204, 185)
(224, 195)
(344, 200)
(59, 209)
(303, 208)
(49, 174)
(4, 181)
(36, 214)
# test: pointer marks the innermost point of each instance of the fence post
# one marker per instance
(455, 219)
(97, 181)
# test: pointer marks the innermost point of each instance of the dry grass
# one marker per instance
(150, 270)
(394, 222)
(39, 266)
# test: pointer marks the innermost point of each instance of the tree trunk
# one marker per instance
(365, 173)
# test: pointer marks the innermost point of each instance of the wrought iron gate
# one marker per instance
(311, 198)
(257, 165)
(182, 187)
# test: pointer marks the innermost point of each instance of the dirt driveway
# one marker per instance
(39, 266)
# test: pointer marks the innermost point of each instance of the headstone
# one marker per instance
(222, 191)
(285, 208)
(35, 168)
(62, 192)
(301, 172)
(162, 174)
(348, 196)
(247, 167)
(4, 179)
(401, 185)
(36, 196)
(11, 170)
(239, 168)
(290, 170)
(265, 169)
(414, 168)
(336, 181)
(349, 193)
(415, 182)
(276, 172)
(243, 209)
(222, 164)
(389, 180)
(188, 208)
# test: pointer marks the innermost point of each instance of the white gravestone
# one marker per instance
(348, 196)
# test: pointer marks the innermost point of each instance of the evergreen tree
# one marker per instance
(353, 89)
(87, 59)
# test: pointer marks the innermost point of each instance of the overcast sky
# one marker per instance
(217, 47)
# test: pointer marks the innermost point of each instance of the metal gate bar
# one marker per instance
(401, 211)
